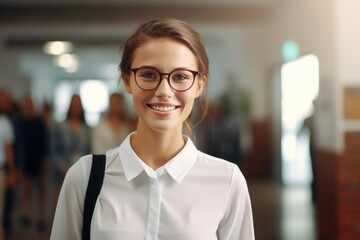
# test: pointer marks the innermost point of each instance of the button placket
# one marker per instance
(154, 209)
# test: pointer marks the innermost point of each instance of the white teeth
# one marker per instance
(163, 108)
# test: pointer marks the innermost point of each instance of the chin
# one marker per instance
(164, 127)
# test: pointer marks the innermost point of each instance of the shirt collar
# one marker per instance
(129, 159)
(177, 167)
(181, 164)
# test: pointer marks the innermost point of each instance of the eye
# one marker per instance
(181, 75)
(147, 74)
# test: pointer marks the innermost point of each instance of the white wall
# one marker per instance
(11, 75)
(237, 56)
(254, 61)
(347, 52)
(348, 41)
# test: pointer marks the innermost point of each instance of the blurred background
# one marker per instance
(284, 102)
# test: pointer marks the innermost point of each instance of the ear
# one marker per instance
(200, 86)
(126, 81)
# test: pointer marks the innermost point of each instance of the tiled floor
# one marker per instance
(280, 213)
(26, 233)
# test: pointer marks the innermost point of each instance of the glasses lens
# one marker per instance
(181, 80)
(147, 78)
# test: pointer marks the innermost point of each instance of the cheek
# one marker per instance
(136, 100)
(139, 98)
(189, 100)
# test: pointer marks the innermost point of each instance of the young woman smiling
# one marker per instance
(157, 185)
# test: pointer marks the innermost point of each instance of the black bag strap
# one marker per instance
(92, 192)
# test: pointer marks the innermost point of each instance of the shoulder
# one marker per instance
(112, 156)
(221, 168)
(79, 172)
(225, 173)
(215, 162)
(78, 175)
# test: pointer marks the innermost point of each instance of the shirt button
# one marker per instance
(161, 171)
(152, 231)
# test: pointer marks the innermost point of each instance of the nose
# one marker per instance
(164, 89)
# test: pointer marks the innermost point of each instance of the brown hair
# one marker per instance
(176, 30)
(73, 98)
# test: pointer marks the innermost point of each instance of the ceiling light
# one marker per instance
(57, 47)
(67, 61)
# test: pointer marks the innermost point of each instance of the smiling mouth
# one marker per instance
(162, 108)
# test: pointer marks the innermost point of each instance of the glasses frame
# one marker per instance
(195, 73)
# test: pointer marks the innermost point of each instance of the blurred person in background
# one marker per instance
(113, 128)
(157, 184)
(7, 157)
(47, 113)
(10, 110)
(71, 139)
(33, 140)
(9, 106)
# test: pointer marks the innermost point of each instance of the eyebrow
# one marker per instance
(152, 67)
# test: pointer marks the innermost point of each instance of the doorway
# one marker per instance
(299, 89)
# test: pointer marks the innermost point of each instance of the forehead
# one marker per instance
(164, 54)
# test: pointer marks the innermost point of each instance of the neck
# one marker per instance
(157, 148)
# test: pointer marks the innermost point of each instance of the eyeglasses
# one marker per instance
(149, 78)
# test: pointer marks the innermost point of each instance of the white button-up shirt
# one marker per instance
(194, 196)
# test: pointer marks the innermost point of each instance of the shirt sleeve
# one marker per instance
(237, 222)
(68, 218)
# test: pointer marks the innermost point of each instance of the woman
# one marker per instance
(70, 140)
(113, 129)
(157, 185)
